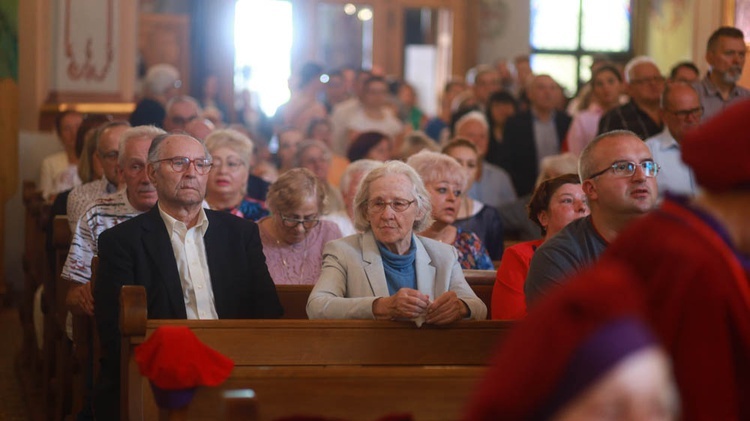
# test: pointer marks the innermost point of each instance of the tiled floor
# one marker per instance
(12, 407)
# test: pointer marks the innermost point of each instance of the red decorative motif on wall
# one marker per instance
(88, 70)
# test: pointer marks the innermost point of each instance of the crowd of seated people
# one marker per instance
(334, 204)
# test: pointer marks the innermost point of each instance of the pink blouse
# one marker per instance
(297, 264)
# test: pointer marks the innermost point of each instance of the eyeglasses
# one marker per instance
(398, 205)
(306, 223)
(686, 114)
(181, 164)
(231, 164)
(627, 169)
(110, 156)
(652, 79)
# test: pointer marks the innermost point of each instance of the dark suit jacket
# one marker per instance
(139, 252)
(522, 162)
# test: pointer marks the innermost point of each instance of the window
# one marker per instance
(263, 43)
(566, 34)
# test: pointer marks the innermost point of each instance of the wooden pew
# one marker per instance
(482, 282)
(349, 369)
(294, 297)
(61, 237)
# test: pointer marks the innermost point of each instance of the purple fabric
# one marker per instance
(715, 225)
(172, 399)
(596, 356)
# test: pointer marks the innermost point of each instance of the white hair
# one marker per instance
(160, 78)
(472, 116)
(136, 132)
(635, 61)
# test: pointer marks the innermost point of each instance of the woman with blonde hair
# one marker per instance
(227, 182)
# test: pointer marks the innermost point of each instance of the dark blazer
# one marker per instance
(139, 252)
(522, 164)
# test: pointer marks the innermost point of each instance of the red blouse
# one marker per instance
(508, 299)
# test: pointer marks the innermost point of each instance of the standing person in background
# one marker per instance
(59, 171)
(484, 81)
(162, 83)
(212, 107)
(289, 138)
(725, 55)
(303, 105)
(374, 114)
(606, 89)
(500, 107)
(534, 134)
(555, 203)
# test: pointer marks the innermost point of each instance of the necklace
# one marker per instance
(292, 273)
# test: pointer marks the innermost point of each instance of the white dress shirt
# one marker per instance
(674, 176)
(192, 265)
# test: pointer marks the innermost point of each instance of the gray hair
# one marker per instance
(634, 62)
(303, 146)
(471, 116)
(231, 139)
(156, 144)
(149, 132)
(435, 167)
(418, 190)
(586, 164)
(183, 98)
(160, 78)
(360, 166)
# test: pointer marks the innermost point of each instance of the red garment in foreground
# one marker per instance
(670, 268)
(698, 301)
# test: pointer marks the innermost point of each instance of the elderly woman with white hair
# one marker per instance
(387, 272)
(445, 181)
(227, 181)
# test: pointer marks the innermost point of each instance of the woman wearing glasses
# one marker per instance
(387, 272)
(293, 236)
(227, 182)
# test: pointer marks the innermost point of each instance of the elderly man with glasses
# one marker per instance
(640, 115)
(618, 175)
(195, 263)
(681, 111)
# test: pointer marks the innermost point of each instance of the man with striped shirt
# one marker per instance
(108, 211)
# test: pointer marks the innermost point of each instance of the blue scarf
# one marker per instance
(400, 271)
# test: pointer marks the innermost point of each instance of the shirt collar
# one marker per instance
(667, 141)
(173, 224)
(712, 89)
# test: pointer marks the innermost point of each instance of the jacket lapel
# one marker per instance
(216, 259)
(373, 265)
(158, 246)
(425, 271)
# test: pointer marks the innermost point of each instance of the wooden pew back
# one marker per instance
(353, 369)
(294, 297)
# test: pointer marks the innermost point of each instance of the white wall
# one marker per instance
(504, 30)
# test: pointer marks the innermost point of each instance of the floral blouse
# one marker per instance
(471, 251)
